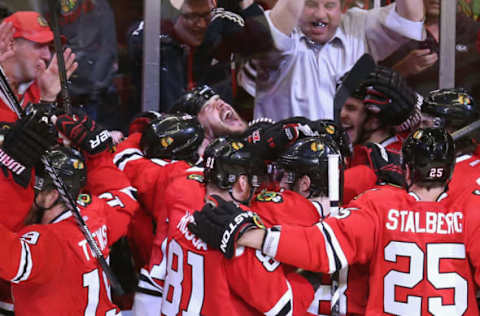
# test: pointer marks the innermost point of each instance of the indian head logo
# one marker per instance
(41, 21)
(464, 99)
(68, 6)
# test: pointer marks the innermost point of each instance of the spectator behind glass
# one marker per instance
(314, 47)
(418, 61)
(89, 27)
(183, 65)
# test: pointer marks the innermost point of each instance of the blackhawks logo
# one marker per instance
(317, 146)
(84, 199)
(269, 196)
(330, 129)
(195, 177)
(464, 99)
(68, 6)
(166, 141)
(418, 134)
(42, 22)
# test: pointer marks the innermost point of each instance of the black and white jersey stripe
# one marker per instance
(25, 265)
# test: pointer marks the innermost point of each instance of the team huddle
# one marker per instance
(372, 215)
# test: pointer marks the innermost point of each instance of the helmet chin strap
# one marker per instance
(247, 200)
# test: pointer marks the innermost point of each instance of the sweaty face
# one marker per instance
(31, 59)
(218, 118)
(352, 117)
(193, 21)
(320, 19)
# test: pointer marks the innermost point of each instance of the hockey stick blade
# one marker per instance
(359, 72)
(72, 205)
(464, 131)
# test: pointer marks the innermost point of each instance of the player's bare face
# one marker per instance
(352, 117)
(31, 59)
(219, 119)
(193, 21)
(320, 19)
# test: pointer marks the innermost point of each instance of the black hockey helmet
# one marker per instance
(329, 128)
(193, 101)
(172, 137)
(309, 156)
(430, 155)
(454, 107)
(69, 166)
(228, 158)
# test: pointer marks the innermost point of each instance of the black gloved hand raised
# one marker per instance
(84, 133)
(284, 133)
(26, 141)
(386, 164)
(220, 224)
(390, 97)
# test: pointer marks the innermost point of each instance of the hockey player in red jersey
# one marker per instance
(198, 279)
(378, 117)
(305, 171)
(421, 251)
(382, 110)
(52, 257)
(166, 147)
(453, 109)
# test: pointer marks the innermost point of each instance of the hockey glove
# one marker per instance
(220, 224)
(222, 27)
(141, 121)
(386, 164)
(26, 141)
(281, 135)
(84, 133)
(389, 97)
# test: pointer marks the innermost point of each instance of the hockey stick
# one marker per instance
(11, 98)
(359, 72)
(72, 205)
(464, 131)
(334, 197)
(53, 7)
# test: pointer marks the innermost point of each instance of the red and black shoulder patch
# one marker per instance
(84, 199)
(270, 196)
(196, 177)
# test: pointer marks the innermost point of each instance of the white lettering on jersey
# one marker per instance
(427, 222)
(182, 227)
(100, 236)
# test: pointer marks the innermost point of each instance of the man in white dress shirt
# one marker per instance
(315, 44)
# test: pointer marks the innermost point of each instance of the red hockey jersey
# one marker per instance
(423, 256)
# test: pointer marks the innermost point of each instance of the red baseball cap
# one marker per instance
(31, 26)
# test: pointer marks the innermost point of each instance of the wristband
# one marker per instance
(270, 241)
